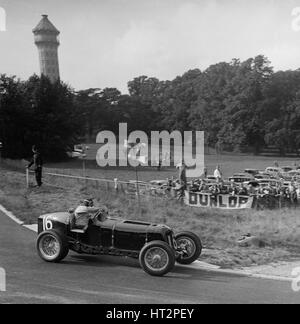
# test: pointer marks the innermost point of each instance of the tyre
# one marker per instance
(157, 258)
(191, 246)
(52, 246)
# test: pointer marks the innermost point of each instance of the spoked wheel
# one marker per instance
(157, 258)
(52, 247)
(190, 247)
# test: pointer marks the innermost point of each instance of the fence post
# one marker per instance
(27, 178)
(116, 184)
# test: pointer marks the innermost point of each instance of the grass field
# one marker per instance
(219, 230)
(230, 164)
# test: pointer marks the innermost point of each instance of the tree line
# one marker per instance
(241, 105)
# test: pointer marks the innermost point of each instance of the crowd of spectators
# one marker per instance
(266, 195)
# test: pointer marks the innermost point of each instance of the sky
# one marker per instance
(106, 43)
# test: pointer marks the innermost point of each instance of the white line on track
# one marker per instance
(11, 215)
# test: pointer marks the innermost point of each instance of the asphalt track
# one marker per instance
(107, 280)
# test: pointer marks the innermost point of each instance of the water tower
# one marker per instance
(47, 41)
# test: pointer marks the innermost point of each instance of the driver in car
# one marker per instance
(83, 213)
(86, 212)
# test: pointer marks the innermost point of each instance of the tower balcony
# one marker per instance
(46, 38)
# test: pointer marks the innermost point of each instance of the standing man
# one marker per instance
(37, 162)
(181, 184)
(218, 173)
(182, 176)
(1, 146)
(160, 160)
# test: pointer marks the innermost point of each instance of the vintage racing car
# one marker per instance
(156, 246)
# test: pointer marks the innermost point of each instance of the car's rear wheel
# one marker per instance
(52, 246)
(157, 258)
(190, 246)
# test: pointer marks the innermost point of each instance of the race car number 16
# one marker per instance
(47, 224)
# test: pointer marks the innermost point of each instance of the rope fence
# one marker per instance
(128, 187)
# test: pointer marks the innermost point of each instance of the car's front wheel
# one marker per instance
(52, 246)
(157, 258)
(190, 247)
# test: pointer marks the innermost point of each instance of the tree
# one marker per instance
(212, 88)
(244, 104)
(282, 111)
(55, 123)
(14, 117)
(237, 104)
(176, 99)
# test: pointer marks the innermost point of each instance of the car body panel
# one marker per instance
(240, 179)
(211, 177)
(267, 182)
(286, 169)
(252, 172)
(113, 236)
(294, 173)
(273, 170)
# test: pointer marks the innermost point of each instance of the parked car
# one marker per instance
(253, 183)
(262, 176)
(252, 172)
(266, 175)
(211, 178)
(274, 171)
(286, 169)
(241, 178)
(156, 246)
(269, 182)
(294, 173)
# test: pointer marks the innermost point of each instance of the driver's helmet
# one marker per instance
(88, 203)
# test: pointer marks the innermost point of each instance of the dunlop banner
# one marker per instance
(195, 199)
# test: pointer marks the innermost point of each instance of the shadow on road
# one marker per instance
(179, 272)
